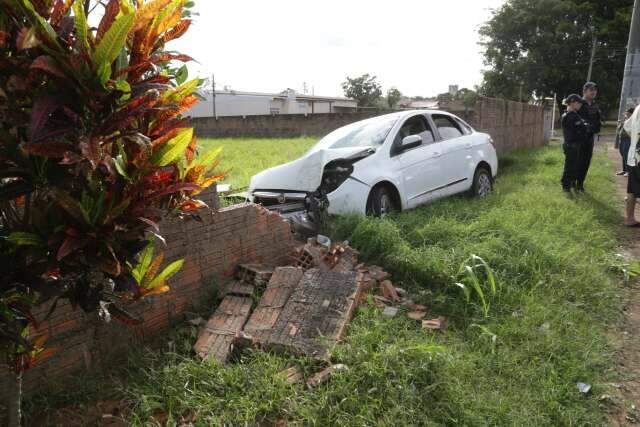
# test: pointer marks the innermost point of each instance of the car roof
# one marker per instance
(409, 113)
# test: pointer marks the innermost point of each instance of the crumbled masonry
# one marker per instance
(301, 309)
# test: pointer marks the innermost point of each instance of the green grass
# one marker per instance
(546, 327)
(246, 157)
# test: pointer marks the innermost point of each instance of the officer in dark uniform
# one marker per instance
(590, 112)
(576, 135)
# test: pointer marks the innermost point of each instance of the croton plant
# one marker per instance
(94, 152)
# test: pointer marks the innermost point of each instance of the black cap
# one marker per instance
(589, 85)
(573, 98)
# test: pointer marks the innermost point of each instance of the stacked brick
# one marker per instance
(212, 249)
(304, 309)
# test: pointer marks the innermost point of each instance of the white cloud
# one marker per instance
(418, 46)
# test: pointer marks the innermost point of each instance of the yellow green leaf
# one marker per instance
(174, 148)
(82, 28)
(113, 41)
(24, 239)
(161, 278)
(208, 158)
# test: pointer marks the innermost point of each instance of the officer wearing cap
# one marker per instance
(576, 135)
(590, 112)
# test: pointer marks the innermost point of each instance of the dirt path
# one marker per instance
(626, 408)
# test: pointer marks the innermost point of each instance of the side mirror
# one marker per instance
(411, 141)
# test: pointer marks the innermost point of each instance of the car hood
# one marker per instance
(303, 174)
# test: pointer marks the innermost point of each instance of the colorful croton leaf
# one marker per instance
(94, 153)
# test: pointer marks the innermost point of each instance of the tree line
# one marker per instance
(535, 48)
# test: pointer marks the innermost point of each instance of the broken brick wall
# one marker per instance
(211, 249)
(511, 124)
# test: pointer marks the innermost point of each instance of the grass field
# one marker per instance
(545, 328)
(243, 158)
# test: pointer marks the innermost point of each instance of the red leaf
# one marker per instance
(192, 205)
(110, 14)
(47, 149)
(161, 176)
(42, 7)
(140, 67)
(46, 120)
(91, 151)
(59, 10)
(4, 39)
(47, 64)
(70, 244)
(165, 137)
(182, 186)
(191, 150)
(164, 127)
(177, 31)
(165, 56)
(129, 112)
(70, 158)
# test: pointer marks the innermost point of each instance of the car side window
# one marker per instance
(466, 129)
(447, 127)
(416, 125)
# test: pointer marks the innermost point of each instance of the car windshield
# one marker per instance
(366, 133)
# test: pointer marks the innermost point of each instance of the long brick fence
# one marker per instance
(511, 124)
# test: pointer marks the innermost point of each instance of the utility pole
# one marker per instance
(631, 81)
(593, 56)
(520, 92)
(213, 94)
(553, 116)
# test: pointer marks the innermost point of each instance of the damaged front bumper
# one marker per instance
(306, 209)
(281, 201)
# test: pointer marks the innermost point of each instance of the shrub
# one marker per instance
(94, 152)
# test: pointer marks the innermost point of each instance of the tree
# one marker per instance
(544, 46)
(365, 89)
(94, 153)
(393, 97)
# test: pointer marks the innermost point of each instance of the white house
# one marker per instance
(237, 103)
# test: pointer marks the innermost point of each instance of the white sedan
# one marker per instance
(388, 163)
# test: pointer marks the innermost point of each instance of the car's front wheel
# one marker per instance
(382, 202)
(482, 182)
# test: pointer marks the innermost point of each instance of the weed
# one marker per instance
(469, 280)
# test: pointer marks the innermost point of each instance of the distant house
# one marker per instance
(237, 103)
(413, 104)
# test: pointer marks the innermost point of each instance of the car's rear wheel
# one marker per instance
(482, 182)
(382, 202)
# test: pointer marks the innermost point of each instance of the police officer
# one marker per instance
(590, 112)
(576, 135)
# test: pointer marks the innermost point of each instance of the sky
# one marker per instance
(418, 46)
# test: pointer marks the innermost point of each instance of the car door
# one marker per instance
(419, 167)
(456, 144)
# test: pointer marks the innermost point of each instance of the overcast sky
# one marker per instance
(418, 46)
